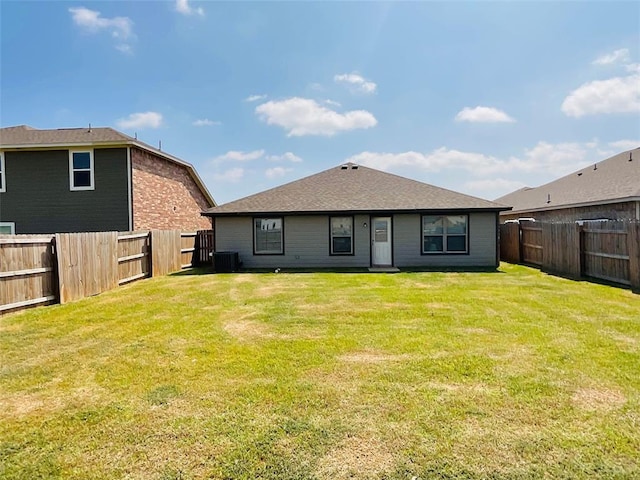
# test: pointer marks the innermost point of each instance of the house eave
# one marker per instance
(575, 205)
(368, 211)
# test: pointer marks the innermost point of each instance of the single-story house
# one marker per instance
(606, 190)
(354, 216)
(94, 179)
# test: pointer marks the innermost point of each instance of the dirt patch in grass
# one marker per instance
(246, 329)
(598, 399)
(373, 357)
(21, 404)
(625, 342)
(362, 456)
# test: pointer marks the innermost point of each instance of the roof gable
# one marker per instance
(614, 179)
(353, 188)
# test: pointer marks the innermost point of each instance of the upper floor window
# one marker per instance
(3, 175)
(81, 170)
(267, 236)
(341, 235)
(444, 234)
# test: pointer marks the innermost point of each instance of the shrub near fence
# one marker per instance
(42, 269)
(607, 251)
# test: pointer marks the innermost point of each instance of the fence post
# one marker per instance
(633, 246)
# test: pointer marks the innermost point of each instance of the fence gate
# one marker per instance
(605, 252)
(531, 243)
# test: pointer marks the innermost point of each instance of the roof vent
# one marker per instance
(630, 156)
(354, 167)
(580, 174)
(595, 166)
(344, 167)
(548, 198)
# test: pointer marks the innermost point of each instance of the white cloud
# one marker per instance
(255, 98)
(333, 103)
(276, 172)
(615, 95)
(141, 120)
(544, 157)
(633, 67)
(121, 28)
(495, 186)
(618, 56)
(239, 156)
(302, 116)
(205, 122)
(357, 82)
(183, 7)
(483, 115)
(285, 157)
(622, 145)
(232, 175)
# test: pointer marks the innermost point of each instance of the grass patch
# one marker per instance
(509, 374)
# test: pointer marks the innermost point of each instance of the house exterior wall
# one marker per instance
(613, 211)
(407, 238)
(165, 196)
(306, 243)
(39, 200)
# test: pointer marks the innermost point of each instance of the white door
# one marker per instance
(381, 241)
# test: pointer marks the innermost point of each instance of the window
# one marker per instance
(3, 184)
(444, 234)
(81, 170)
(7, 228)
(341, 235)
(267, 236)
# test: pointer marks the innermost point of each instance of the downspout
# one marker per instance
(129, 189)
(638, 210)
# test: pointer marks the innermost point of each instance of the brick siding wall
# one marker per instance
(165, 196)
(613, 211)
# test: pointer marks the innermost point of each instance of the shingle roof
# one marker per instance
(613, 179)
(353, 188)
(24, 136)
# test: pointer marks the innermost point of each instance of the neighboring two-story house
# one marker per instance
(94, 179)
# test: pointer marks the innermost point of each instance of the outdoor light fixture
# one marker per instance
(364, 225)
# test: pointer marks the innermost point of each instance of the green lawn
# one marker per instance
(511, 374)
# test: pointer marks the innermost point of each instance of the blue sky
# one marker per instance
(481, 97)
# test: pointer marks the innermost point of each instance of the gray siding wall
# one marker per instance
(612, 211)
(38, 198)
(306, 243)
(407, 237)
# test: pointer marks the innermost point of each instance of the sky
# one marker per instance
(478, 97)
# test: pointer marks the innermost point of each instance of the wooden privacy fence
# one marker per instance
(42, 269)
(603, 250)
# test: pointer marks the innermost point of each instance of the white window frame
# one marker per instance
(255, 236)
(72, 187)
(444, 236)
(12, 225)
(3, 174)
(332, 235)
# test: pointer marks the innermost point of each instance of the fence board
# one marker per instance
(633, 248)
(605, 252)
(87, 264)
(27, 275)
(204, 247)
(133, 256)
(187, 249)
(531, 245)
(561, 248)
(510, 242)
(165, 252)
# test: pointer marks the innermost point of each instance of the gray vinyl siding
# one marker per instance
(306, 243)
(407, 238)
(38, 198)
